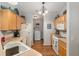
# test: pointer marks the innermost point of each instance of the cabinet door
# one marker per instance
(12, 22)
(5, 19)
(59, 20)
(62, 48)
(56, 22)
(62, 51)
(52, 35)
(18, 22)
(65, 21)
(60, 23)
(62, 19)
(0, 18)
(9, 20)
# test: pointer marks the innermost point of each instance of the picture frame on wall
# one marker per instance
(48, 26)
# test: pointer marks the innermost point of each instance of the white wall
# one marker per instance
(48, 19)
(74, 29)
(46, 32)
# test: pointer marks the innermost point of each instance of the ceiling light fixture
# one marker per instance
(43, 11)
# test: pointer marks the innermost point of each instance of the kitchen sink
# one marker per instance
(15, 48)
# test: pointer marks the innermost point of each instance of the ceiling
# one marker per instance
(52, 7)
(30, 7)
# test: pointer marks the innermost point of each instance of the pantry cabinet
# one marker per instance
(9, 20)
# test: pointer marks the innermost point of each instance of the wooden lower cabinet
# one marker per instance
(52, 40)
(61, 48)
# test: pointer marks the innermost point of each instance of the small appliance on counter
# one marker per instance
(16, 33)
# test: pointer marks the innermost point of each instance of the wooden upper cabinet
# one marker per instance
(5, 19)
(18, 21)
(9, 20)
(61, 20)
(56, 22)
(12, 22)
(65, 21)
(0, 18)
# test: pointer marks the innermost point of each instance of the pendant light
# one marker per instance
(43, 11)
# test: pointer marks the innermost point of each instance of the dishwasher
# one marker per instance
(55, 44)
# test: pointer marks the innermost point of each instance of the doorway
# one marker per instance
(38, 29)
